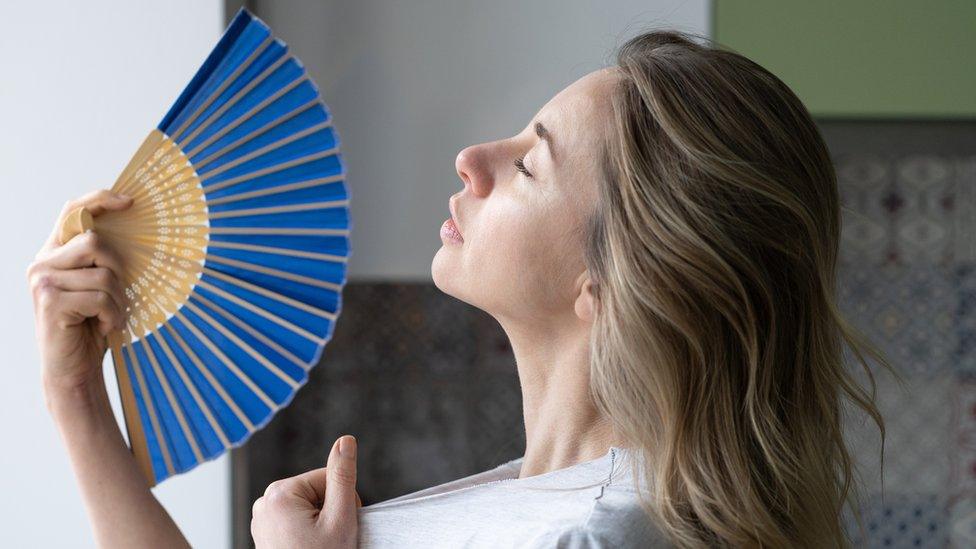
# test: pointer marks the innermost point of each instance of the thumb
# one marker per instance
(339, 509)
(97, 202)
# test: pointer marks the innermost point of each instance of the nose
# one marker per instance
(474, 168)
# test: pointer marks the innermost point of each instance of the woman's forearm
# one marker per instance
(122, 509)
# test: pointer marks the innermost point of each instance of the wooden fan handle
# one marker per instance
(76, 222)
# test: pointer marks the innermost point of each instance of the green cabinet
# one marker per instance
(861, 59)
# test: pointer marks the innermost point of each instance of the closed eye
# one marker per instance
(520, 166)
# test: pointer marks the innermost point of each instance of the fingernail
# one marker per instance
(347, 446)
(123, 197)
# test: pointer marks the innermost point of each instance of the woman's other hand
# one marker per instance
(313, 509)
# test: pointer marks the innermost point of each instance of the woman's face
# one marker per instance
(521, 257)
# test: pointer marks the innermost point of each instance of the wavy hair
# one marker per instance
(718, 349)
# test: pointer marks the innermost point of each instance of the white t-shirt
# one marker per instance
(495, 508)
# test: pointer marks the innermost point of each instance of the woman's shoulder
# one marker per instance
(616, 519)
(578, 537)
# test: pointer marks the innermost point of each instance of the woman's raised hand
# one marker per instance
(78, 298)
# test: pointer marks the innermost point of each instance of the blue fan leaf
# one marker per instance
(262, 145)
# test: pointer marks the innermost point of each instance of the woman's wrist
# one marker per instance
(76, 401)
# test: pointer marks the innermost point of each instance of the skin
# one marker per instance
(512, 224)
(522, 262)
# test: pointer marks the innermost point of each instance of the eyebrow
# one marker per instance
(544, 134)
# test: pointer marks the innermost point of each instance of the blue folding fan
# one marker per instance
(234, 253)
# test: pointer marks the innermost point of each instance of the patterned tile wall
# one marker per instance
(907, 280)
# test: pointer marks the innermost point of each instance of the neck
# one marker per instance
(562, 424)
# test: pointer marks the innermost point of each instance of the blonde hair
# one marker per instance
(717, 345)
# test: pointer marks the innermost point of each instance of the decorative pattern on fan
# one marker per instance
(234, 253)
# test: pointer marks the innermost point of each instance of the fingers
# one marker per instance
(87, 279)
(290, 491)
(72, 308)
(339, 510)
(315, 481)
(97, 202)
(67, 270)
(84, 250)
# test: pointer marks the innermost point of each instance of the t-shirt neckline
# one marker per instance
(594, 471)
(592, 467)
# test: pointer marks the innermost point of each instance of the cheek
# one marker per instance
(502, 242)
(520, 255)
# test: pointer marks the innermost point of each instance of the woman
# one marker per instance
(659, 243)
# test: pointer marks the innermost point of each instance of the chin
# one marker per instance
(445, 272)
(440, 270)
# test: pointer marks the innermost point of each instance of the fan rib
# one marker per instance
(151, 274)
(244, 346)
(253, 111)
(280, 209)
(258, 152)
(274, 190)
(136, 324)
(149, 144)
(147, 400)
(280, 251)
(191, 386)
(151, 164)
(177, 409)
(269, 294)
(245, 379)
(263, 312)
(264, 171)
(235, 98)
(254, 333)
(180, 242)
(185, 174)
(148, 242)
(274, 272)
(167, 184)
(241, 416)
(289, 231)
(231, 78)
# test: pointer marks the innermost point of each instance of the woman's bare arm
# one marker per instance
(78, 300)
(122, 509)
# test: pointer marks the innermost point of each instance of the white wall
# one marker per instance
(82, 84)
(413, 82)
